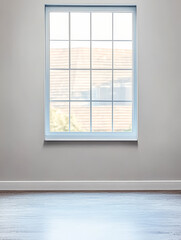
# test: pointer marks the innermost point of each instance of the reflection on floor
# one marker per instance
(90, 216)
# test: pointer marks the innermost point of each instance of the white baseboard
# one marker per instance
(89, 185)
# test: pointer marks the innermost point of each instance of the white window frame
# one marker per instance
(91, 136)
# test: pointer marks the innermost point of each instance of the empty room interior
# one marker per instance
(90, 130)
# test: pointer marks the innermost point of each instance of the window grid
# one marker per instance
(55, 100)
(69, 65)
(91, 136)
(99, 69)
(112, 72)
(90, 69)
(90, 72)
(81, 40)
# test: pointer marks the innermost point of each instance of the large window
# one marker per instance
(91, 87)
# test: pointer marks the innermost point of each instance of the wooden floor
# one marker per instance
(90, 216)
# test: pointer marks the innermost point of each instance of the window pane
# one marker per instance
(101, 26)
(101, 117)
(102, 54)
(101, 84)
(80, 26)
(122, 55)
(80, 54)
(59, 26)
(80, 84)
(80, 117)
(122, 119)
(123, 85)
(59, 117)
(59, 54)
(59, 85)
(91, 72)
(122, 26)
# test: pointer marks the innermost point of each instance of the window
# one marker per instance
(91, 87)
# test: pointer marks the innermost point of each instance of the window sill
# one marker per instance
(92, 137)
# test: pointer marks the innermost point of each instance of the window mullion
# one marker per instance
(69, 64)
(112, 71)
(90, 72)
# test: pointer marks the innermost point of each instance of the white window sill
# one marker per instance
(91, 137)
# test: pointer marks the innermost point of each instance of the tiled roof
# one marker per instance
(80, 85)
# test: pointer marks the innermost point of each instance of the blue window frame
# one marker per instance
(91, 73)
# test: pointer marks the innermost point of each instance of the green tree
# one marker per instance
(59, 121)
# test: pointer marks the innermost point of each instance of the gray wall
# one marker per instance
(23, 153)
